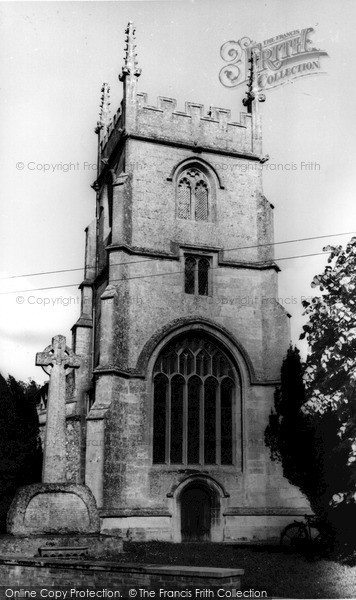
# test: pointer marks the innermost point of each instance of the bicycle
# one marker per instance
(315, 532)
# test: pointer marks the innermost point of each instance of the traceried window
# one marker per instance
(193, 196)
(193, 404)
(196, 275)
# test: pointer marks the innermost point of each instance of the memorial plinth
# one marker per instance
(53, 508)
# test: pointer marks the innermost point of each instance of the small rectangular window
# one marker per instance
(196, 275)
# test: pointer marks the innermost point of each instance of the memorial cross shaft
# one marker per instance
(58, 357)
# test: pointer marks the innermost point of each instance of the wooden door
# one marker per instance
(196, 515)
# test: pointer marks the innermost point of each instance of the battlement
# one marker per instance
(195, 125)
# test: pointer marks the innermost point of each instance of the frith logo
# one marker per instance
(280, 59)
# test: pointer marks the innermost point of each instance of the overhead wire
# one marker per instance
(316, 237)
(158, 274)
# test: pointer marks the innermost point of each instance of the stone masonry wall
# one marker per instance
(132, 482)
(32, 573)
(242, 217)
(243, 301)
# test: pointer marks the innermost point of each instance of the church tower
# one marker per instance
(180, 324)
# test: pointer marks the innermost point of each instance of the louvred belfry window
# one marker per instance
(193, 196)
(193, 404)
(201, 201)
(184, 198)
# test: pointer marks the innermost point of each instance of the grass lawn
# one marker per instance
(280, 573)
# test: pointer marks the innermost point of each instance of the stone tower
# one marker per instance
(181, 328)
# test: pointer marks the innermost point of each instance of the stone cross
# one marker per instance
(55, 361)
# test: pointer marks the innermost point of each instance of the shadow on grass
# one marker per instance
(281, 573)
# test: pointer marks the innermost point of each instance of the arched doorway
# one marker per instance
(196, 513)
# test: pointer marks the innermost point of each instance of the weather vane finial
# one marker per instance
(131, 66)
(253, 89)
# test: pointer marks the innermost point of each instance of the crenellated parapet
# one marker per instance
(212, 129)
(194, 127)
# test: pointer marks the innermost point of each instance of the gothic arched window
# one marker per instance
(193, 404)
(193, 195)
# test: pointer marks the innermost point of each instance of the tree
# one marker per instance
(283, 432)
(307, 445)
(20, 446)
(293, 437)
(330, 372)
(313, 429)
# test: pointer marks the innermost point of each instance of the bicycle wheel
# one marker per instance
(294, 535)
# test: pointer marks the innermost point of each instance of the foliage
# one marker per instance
(312, 431)
(330, 373)
(294, 439)
(20, 447)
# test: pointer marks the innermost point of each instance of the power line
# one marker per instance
(41, 273)
(316, 237)
(51, 287)
(152, 274)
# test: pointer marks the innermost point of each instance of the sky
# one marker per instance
(55, 57)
